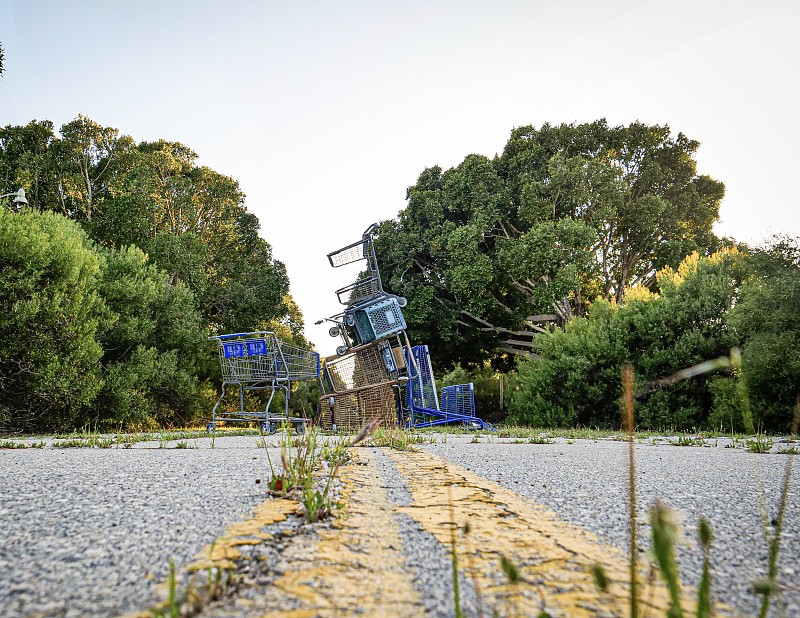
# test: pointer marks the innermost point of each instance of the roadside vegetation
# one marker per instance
(128, 256)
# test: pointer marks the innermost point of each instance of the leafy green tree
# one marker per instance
(193, 223)
(25, 161)
(489, 250)
(82, 160)
(49, 354)
(636, 186)
(154, 346)
(768, 320)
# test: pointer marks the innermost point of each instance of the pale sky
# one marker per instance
(325, 112)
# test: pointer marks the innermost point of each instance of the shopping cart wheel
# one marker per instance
(350, 320)
(341, 350)
(334, 331)
(273, 428)
(402, 301)
(300, 428)
(211, 427)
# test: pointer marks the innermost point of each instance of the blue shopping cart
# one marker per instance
(260, 361)
(422, 406)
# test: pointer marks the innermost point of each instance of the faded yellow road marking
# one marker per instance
(356, 566)
(554, 558)
(223, 552)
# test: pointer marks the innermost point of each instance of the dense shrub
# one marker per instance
(577, 379)
(49, 356)
(767, 318)
(153, 348)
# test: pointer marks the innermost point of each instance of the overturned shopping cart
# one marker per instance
(422, 406)
(260, 361)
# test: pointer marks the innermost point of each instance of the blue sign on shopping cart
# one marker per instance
(256, 347)
(233, 350)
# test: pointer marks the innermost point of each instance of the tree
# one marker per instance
(768, 320)
(153, 347)
(193, 223)
(26, 161)
(51, 312)
(82, 158)
(490, 250)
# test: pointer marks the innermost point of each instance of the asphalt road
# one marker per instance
(90, 532)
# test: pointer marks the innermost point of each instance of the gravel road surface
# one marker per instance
(585, 483)
(89, 532)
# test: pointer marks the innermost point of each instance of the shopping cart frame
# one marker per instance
(258, 361)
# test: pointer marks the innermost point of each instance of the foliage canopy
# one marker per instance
(566, 214)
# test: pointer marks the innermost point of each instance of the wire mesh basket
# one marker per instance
(259, 361)
(364, 367)
(363, 289)
(351, 410)
(360, 250)
(458, 399)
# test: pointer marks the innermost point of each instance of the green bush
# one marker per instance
(577, 379)
(726, 414)
(767, 318)
(153, 349)
(51, 311)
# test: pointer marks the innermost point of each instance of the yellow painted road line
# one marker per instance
(356, 566)
(554, 558)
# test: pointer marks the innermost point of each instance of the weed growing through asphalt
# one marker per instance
(628, 422)
(10, 444)
(399, 439)
(767, 587)
(457, 611)
(760, 444)
(688, 441)
(192, 600)
(300, 458)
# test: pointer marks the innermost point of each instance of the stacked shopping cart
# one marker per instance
(376, 373)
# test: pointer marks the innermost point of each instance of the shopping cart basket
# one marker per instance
(371, 313)
(422, 405)
(368, 285)
(259, 361)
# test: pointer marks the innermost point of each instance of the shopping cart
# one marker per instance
(421, 406)
(371, 313)
(361, 385)
(259, 361)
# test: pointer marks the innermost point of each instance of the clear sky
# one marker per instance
(325, 112)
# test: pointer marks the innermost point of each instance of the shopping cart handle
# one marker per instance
(232, 335)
